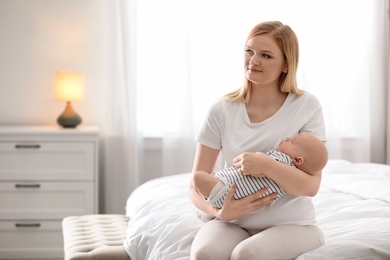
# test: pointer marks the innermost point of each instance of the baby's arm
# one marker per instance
(204, 182)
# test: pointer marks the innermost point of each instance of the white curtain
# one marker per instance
(386, 19)
(168, 61)
(379, 85)
(164, 83)
(120, 142)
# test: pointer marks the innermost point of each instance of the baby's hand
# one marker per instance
(251, 163)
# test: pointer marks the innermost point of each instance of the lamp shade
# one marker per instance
(69, 86)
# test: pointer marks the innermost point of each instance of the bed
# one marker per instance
(352, 207)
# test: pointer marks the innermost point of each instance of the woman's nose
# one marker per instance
(255, 60)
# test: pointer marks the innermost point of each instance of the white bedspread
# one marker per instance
(352, 207)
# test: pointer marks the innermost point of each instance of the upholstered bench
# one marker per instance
(95, 237)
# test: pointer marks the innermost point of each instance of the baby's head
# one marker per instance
(308, 152)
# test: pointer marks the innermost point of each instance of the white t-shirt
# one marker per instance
(227, 128)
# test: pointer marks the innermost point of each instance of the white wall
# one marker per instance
(37, 38)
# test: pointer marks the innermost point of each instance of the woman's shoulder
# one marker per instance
(223, 105)
(306, 98)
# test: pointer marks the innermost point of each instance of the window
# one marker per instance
(190, 53)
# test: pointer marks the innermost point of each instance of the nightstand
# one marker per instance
(46, 174)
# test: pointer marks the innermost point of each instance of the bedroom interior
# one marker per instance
(123, 151)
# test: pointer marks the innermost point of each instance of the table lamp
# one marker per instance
(69, 87)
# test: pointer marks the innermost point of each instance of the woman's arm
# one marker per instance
(205, 160)
(291, 179)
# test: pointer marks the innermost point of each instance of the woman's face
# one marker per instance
(264, 61)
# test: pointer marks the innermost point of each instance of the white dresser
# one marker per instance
(46, 174)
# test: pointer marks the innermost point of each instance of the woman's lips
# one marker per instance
(254, 70)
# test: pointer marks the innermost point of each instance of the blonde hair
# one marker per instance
(287, 41)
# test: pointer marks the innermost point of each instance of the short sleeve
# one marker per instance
(211, 131)
(315, 123)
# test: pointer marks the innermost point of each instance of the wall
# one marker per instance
(40, 37)
(37, 38)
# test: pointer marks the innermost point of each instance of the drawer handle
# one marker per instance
(27, 225)
(29, 186)
(27, 146)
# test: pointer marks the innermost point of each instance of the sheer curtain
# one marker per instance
(341, 62)
(379, 85)
(386, 62)
(120, 142)
(168, 61)
(164, 82)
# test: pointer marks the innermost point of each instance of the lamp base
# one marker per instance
(69, 118)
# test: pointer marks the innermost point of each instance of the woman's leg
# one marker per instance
(216, 240)
(280, 242)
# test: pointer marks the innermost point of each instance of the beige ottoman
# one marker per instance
(95, 237)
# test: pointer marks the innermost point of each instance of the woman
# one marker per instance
(256, 118)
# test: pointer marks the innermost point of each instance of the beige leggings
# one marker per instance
(222, 240)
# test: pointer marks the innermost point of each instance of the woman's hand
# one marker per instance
(291, 179)
(252, 163)
(233, 209)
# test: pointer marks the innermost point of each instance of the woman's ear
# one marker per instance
(298, 160)
(285, 68)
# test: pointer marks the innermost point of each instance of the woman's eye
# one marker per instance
(248, 52)
(265, 56)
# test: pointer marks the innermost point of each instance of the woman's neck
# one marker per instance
(268, 95)
(264, 102)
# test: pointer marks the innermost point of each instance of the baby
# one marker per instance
(305, 151)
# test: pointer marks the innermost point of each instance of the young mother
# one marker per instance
(256, 118)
